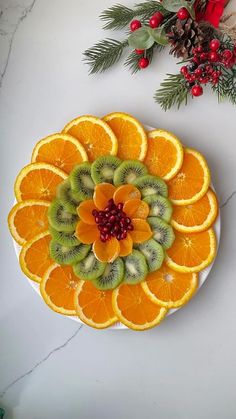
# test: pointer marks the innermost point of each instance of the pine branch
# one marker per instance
(173, 91)
(133, 58)
(146, 9)
(104, 54)
(226, 88)
(117, 17)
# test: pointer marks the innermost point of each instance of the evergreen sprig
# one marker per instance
(104, 54)
(132, 60)
(173, 91)
(226, 88)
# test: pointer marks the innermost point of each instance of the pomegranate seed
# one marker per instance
(130, 227)
(120, 206)
(95, 213)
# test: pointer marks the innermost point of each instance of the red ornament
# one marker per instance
(143, 62)
(182, 14)
(135, 24)
(213, 56)
(197, 90)
(212, 13)
(214, 44)
(139, 51)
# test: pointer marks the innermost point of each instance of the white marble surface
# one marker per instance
(49, 367)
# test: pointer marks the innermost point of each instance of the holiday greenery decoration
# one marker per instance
(193, 31)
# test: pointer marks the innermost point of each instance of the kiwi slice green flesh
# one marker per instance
(68, 255)
(153, 253)
(64, 238)
(136, 267)
(89, 267)
(60, 219)
(112, 276)
(128, 172)
(66, 196)
(150, 185)
(163, 233)
(159, 206)
(103, 169)
(82, 183)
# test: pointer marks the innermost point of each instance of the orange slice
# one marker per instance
(135, 208)
(125, 193)
(95, 135)
(134, 309)
(102, 193)
(131, 136)
(196, 217)
(169, 288)
(141, 231)
(58, 288)
(61, 150)
(38, 181)
(86, 233)
(27, 219)
(93, 306)
(192, 181)
(35, 258)
(106, 251)
(164, 156)
(126, 246)
(192, 252)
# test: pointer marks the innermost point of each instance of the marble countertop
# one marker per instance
(51, 367)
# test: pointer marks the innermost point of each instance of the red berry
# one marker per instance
(198, 72)
(182, 14)
(214, 44)
(203, 56)
(139, 51)
(197, 90)
(213, 56)
(227, 54)
(199, 49)
(143, 62)
(184, 69)
(156, 20)
(135, 24)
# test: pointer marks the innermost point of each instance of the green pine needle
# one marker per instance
(104, 54)
(133, 59)
(226, 88)
(173, 92)
(146, 9)
(117, 17)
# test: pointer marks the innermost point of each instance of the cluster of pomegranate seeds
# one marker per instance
(112, 221)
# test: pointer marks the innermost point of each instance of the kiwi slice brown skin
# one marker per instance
(159, 207)
(66, 196)
(163, 233)
(60, 219)
(153, 253)
(81, 181)
(136, 268)
(103, 169)
(68, 255)
(128, 172)
(112, 275)
(89, 268)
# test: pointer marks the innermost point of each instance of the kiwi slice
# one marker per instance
(61, 237)
(103, 169)
(68, 255)
(60, 219)
(136, 267)
(128, 172)
(163, 233)
(66, 196)
(153, 253)
(89, 267)
(159, 206)
(150, 185)
(82, 183)
(112, 276)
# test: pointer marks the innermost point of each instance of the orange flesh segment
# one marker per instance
(126, 246)
(102, 193)
(141, 231)
(125, 193)
(86, 233)
(135, 208)
(85, 212)
(106, 251)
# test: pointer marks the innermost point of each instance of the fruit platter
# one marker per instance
(115, 224)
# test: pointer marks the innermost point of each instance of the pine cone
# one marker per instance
(184, 36)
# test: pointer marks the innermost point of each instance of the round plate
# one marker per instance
(201, 277)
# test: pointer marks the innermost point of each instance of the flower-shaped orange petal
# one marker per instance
(135, 208)
(85, 212)
(125, 193)
(102, 193)
(126, 246)
(86, 233)
(141, 231)
(106, 251)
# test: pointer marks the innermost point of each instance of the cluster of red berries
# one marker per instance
(112, 221)
(204, 66)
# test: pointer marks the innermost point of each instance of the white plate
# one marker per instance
(201, 279)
